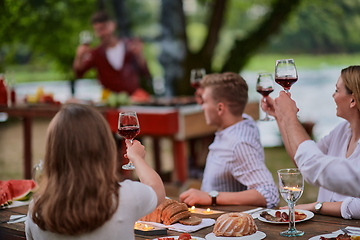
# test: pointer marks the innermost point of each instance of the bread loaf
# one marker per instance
(234, 225)
(168, 212)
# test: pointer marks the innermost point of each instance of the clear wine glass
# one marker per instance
(265, 86)
(291, 186)
(85, 37)
(285, 73)
(129, 128)
(196, 76)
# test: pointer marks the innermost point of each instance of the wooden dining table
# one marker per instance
(318, 225)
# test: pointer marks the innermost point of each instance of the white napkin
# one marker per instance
(17, 218)
(255, 213)
(253, 210)
(355, 230)
(206, 222)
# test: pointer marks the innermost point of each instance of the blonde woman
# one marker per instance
(332, 163)
(80, 196)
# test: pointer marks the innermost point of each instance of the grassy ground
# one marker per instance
(267, 62)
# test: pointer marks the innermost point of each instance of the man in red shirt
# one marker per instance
(119, 62)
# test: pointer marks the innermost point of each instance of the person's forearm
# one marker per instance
(295, 134)
(78, 63)
(331, 209)
(148, 176)
(289, 149)
(249, 197)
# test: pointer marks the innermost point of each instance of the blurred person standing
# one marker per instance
(119, 63)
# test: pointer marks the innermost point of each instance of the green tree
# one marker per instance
(44, 27)
(229, 35)
(320, 28)
(173, 22)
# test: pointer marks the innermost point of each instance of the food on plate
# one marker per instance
(140, 95)
(192, 220)
(183, 236)
(234, 225)
(168, 212)
(116, 99)
(282, 216)
(16, 190)
(41, 97)
(341, 237)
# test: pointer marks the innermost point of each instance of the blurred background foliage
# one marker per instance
(42, 35)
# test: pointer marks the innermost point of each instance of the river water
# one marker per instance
(312, 92)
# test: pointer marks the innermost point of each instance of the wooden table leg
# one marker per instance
(180, 160)
(156, 148)
(27, 147)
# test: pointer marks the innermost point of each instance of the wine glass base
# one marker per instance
(292, 233)
(128, 166)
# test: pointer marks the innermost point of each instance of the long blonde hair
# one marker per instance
(230, 88)
(80, 188)
(351, 79)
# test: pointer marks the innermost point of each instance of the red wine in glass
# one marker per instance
(129, 128)
(285, 73)
(286, 82)
(265, 86)
(196, 84)
(196, 76)
(264, 92)
(129, 132)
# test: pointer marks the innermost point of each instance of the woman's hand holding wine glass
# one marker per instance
(291, 186)
(129, 128)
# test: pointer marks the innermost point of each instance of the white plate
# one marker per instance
(309, 215)
(328, 235)
(176, 237)
(256, 236)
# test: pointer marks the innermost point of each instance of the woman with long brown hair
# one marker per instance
(80, 196)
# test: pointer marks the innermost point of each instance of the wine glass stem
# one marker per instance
(291, 216)
(287, 90)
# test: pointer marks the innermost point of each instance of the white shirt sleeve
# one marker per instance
(350, 208)
(145, 199)
(333, 173)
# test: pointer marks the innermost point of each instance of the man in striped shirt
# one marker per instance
(235, 171)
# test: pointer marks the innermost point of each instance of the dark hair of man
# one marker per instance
(100, 17)
(229, 88)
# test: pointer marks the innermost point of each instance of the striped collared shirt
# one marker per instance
(235, 162)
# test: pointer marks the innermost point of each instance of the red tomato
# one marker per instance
(184, 236)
